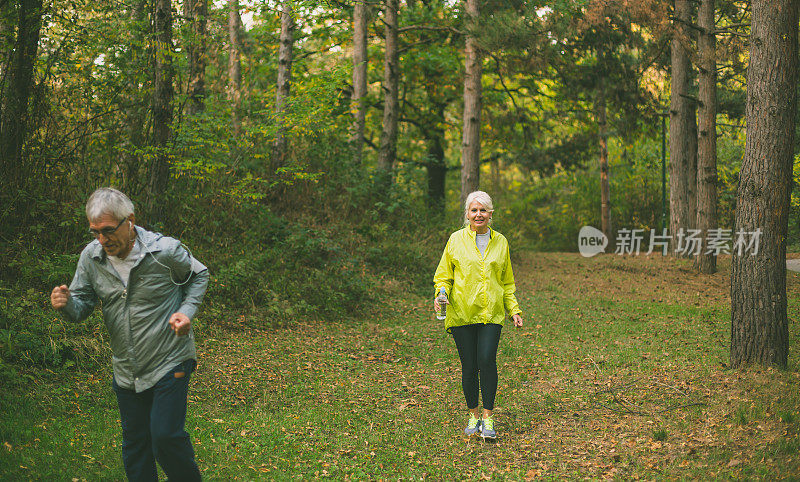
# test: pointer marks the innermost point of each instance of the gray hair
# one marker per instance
(107, 200)
(482, 198)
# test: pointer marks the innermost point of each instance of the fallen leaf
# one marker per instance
(532, 474)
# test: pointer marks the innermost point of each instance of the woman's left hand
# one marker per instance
(517, 320)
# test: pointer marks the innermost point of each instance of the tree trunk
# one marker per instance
(494, 173)
(691, 169)
(360, 21)
(284, 84)
(388, 147)
(162, 109)
(435, 164)
(602, 137)
(16, 94)
(234, 63)
(196, 12)
(8, 20)
(679, 125)
(129, 163)
(707, 135)
(759, 327)
(471, 129)
(437, 173)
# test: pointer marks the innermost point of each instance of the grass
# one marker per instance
(621, 371)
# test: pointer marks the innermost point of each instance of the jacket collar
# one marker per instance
(473, 234)
(151, 242)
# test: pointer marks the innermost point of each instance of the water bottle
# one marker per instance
(442, 299)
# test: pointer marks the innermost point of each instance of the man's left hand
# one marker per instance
(180, 323)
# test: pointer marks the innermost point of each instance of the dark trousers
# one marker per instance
(477, 349)
(153, 428)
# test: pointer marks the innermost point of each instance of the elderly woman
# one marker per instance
(475, 271)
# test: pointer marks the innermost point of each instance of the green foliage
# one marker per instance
(318, 236)
(31, 333)
(730, 150)
(292, 270)
(551, 210)
(298, 273)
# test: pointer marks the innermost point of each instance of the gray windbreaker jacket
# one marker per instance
(137, 317)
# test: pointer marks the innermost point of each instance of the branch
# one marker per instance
(654, 59)
(730, 32)
(691, 25)
(370, 143)
(503, 83)
(737, 25)
(494, 157)
(494, 89)
(413, 122)
(430, 27)
(421, 42)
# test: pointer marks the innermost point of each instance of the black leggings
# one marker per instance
(477, 348)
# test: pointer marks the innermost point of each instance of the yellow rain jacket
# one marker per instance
(480, 288)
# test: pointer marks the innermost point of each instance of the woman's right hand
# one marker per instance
(436, 304)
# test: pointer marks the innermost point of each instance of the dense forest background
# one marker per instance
(244, 129)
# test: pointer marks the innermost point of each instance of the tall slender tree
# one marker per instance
(134, 106)
(680, 144)
(360, 59)
(431, 73)
(691, 172)
(234, 62)
(759, 327)
(435, 163)
(284, 82)
(391, 76)
(8, 19)
(471, 129)
(17, 91)
(707, 135)
(163, 92)
(602, 137)
(195, 12)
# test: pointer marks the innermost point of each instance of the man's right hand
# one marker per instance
(59, 297)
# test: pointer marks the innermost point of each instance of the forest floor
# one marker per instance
(620, 372)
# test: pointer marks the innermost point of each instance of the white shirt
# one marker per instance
(482, 240)
(123, 266)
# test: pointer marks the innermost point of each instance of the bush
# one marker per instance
(32, 333)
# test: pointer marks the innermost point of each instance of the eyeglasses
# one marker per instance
(106, 231)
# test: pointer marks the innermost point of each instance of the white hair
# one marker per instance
(482, 198)
(109, 201)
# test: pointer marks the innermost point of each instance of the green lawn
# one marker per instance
(620, 372)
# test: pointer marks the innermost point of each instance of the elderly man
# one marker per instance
(150, 288)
